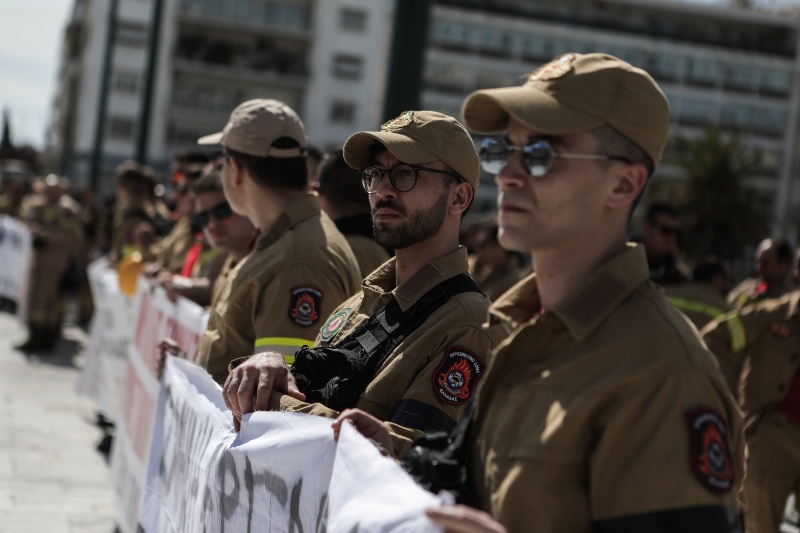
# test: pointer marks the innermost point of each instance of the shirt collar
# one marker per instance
(586, 307)
(297, 211)
(382, 282)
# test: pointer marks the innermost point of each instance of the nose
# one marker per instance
(385, 189)
(513, 174)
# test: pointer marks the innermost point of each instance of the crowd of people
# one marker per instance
(551, 374)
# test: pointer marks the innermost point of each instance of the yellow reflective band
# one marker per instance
(289, 359)
(287, 346)
(736, 329)
(696, 307)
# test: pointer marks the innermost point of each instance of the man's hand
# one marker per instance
(463, 519)
(171, 347)
(367, 425)
(250, 385)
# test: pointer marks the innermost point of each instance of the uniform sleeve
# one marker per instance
(291, 308)
(728, 338)
(674, 443)
(438, 393)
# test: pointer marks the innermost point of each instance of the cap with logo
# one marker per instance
(256, 124)
(417, 137)
(576, 93)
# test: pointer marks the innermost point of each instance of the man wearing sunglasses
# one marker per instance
(420, 171)
(603, 411)
(301, 267)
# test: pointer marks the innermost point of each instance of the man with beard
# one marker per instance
(421, 171)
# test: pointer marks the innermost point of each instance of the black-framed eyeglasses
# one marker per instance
(403, 177)
(221, 211)
(538, 156)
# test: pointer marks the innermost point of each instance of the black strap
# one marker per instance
(336, 376)
(706, 519)
(422, 416)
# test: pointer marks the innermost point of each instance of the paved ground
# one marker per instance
(51, 478)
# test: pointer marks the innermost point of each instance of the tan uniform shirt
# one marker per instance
(414, 378)
(607, 405)
(300, 270)
(369, 254)
(753, 290)
(700, 302)
(495, 281)
(758, 349)
(170, 251)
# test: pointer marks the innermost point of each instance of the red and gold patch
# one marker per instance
(781, 329)
(710, 455)
(456, 378)
(304, 305)
(554, 69)
(402, 121)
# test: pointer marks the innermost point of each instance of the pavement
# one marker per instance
(52, 479)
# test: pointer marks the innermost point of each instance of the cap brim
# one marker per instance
(214, 138)
(357, 149)
(488, 111)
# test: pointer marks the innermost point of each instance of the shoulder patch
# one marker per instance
(334, 324)
(304, 305)
(456, 378)
(780, 329)
(710, 454)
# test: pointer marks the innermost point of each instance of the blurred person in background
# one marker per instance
(660, 234)
(703, 299)
(228, 236)
(55, 223)
(343, 198)
(494, 268)
(132, 227)
(773, 275)
(313, 159)
(14, 190)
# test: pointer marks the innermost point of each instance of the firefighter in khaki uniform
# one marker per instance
(758, 349)
(54, 220)
(421, 171)
(603, 411)
(300, 269)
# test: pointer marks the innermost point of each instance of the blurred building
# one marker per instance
(324, 58)
(717, 65)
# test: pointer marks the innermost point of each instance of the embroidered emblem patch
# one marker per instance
(334, 324)
(458, 375)
(710, 454)
(402, 121)
(554, 69)
(304, 305)
(780, 329)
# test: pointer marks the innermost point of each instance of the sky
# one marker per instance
(31, 33)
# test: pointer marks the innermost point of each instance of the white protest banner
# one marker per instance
(275, 475)
(155, 317)
(103, 373)
(16, 248)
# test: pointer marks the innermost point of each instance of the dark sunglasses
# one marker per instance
(221, 211)
(538, 156)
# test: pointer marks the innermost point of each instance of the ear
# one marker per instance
(238, 172)
(627, 185)
(460, 198)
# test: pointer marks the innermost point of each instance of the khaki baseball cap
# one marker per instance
(576, 93)
(417, 137)
(254, 125)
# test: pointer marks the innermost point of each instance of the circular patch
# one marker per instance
(458, 375)
(710, 456)
(305, 305)
(334, 324)
(554, 69)
(402, 121)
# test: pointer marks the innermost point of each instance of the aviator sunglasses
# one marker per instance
(538, 156)
(221, 211)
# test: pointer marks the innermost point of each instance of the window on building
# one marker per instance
(120, 128)
(495, 39)
(703, 70)
(342, 112)
(126, 81)
(285, 16)
(736, 115)
(776, 81)
(448, 76)
(696, 110)
(771, 119)
(243, 9)
(130, 34)
(348, 67)
(538, 47)
(740, 76)
(352, 19)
